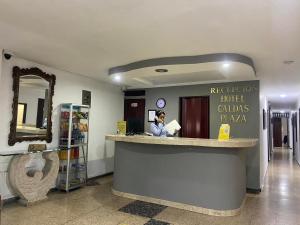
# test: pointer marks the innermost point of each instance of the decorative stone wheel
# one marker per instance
(34, 186)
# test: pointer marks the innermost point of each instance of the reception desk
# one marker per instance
(201, 175)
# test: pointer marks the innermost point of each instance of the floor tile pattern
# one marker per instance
(277, 204)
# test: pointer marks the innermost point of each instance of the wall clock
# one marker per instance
(161, 103)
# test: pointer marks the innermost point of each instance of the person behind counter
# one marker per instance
(158, 127)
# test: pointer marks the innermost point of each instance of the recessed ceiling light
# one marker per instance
(226, 65)
(161, 70)
(117, 77)
(288, 62)
(282, 96)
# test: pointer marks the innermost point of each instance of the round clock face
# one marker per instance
(161, 103)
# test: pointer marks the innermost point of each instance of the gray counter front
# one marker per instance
(210, 180)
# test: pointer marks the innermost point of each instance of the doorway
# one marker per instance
(281, 130)
(134, 114)
(277, 132)
(22, 111)
(40, 113)
(294, 131)
(269, 130)
(194, 117)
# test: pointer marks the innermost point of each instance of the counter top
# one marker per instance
(232, 143)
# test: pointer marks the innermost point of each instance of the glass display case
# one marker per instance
(73, 142)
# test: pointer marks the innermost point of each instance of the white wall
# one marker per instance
(297, 148)
(263, 141)
(106, 110)
(290, 131)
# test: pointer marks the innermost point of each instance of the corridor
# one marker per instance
(279, 202)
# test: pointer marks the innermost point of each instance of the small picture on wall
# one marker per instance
(264, 119)
(151, 115)
(296, 124)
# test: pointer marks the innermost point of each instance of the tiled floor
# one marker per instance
(278, 204)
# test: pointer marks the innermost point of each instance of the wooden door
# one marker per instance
(194, 117)
(269, 134)
(277, 132)
(294, 133)
(134, 114)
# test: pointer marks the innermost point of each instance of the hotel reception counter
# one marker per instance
(201, 175)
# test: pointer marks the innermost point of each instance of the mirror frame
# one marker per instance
(17, 73)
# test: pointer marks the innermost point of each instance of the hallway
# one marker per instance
(279, 202)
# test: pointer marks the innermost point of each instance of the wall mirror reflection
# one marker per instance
(32, 105)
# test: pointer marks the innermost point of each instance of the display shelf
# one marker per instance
(67, 118)
(71, 186)
(75, 145)
(72, 159)
(72, 172)
(74, 132)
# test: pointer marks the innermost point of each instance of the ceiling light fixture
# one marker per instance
(226, 65)
(282, 96)
(117, 77)
(161, 70)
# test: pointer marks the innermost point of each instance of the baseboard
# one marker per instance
(54, 189)
(100, 166)
(100, 176)
(253, 190)
(96, 169)
(178, 205)
(10, 200)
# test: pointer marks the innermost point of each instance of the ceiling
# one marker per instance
(88, 38)
(32, 81)
(185, 74)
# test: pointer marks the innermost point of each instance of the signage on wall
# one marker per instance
(233, 106)
(134, 104)
(86, 97)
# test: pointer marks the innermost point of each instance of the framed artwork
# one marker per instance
(264, 119)
(296, 118)
(297, 138)
(151, 115)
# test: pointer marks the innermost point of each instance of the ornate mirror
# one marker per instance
(32, 105)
